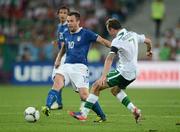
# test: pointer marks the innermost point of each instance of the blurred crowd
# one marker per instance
(28, 27)
(167, 43)
(168, 46)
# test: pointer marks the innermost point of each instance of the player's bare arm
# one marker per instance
(107, 67)
(103, 41)
(59, 56)
(149, 47)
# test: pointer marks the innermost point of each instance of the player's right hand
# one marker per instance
(149, 53)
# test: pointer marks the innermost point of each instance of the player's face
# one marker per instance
(111, 31)
(63, 13)
(73, 23)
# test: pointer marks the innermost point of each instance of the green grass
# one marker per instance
(160, 109)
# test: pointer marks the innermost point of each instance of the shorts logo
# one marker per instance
(86, 79)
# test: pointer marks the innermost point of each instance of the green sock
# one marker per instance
(126, 101)
(88, 105)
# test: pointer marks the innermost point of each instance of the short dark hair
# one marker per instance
(63, 8)
(76, 14)
(113, 23)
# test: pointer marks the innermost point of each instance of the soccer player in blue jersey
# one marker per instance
(76, 46)
(62, 14)
(61, 28)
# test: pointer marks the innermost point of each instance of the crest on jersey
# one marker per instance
(78, 38)
(65, 29)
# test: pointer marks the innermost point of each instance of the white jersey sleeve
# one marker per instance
(116, 43)
(141, 38)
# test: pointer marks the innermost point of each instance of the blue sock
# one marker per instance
(53, 95)
(97, 109)
(60, 97)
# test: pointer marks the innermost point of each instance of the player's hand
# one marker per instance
(102, 81)
(54, 42)
(149, 53)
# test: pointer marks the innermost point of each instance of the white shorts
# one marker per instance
(77, 74)
(62, 62)
(63, 59)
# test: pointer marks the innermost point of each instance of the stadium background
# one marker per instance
(27, 29)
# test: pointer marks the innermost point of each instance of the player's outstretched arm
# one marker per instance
(107, 67)
(103, 41)
(148, 43)
(59, 56)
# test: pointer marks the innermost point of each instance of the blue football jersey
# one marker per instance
(60, 30)
(77, 45)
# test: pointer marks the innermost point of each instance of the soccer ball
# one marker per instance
(31, 114)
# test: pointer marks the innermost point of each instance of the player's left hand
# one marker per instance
(54, 42)
(102, 81)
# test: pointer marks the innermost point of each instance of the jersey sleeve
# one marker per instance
(91, 36)
(141, 38)
(116, 43)
(63, 37)
(57, 32)
(114, 50)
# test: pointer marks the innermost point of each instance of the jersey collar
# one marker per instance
(77, 30)
(122, 30)
(65, 23)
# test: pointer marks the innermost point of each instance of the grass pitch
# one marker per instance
(160, 109)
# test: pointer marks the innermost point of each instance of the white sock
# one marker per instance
(131, 107)
(121, 95)
(85, 111)
(82, 105)
(91, 99)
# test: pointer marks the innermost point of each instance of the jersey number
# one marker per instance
(121, 35)
(131, 40)
(61, 36)
(71, 44)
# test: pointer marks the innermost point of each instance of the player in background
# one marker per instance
(61, 28)
(125, 45)
(77, 41)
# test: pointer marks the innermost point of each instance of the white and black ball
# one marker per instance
(31, 114)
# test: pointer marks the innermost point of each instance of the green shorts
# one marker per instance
(114, 78)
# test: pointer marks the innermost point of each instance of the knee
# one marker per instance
(95, 88)
(58, 82)
(115, 91)
(84, 95)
